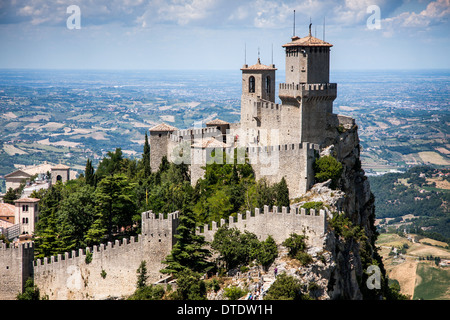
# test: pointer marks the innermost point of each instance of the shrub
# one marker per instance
(326, 168)
(234, 293)
(88, 258)
(316, 205)
(284, 288)
(148, 293)
(295, 243)
(304, 258)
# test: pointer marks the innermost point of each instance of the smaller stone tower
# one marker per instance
(61, 173)
(258, 83)
(159, 140)
(258, 80)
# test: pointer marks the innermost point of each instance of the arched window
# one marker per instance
(251, 84)
(268, 84)
(58, 178)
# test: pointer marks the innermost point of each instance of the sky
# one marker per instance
(220, 34)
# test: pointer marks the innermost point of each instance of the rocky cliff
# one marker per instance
(338, 270)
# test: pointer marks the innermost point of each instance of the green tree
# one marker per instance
(142, 275)
(189, 252)
(146, 157)
(328, 167)
(282, 194)
(75, 215)
(31, 292)
(235, 247)
(189, 286)
(267, 252)
(295, 244)
(46, 232)
(10, 196)
(284, 288)
(89, 174)
(115, 203)
(112, 164)
(148, 293)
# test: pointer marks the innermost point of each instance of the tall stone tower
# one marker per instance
(307, 86)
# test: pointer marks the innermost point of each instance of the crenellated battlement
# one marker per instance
(278, 224)
(193, 133)
(111, 267)
(283, 147)
(307, 91)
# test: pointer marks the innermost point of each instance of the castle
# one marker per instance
(280, 140)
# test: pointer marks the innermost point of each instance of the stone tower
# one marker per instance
(60, 172)
(159, 140)
(307, 88)
(258, 84)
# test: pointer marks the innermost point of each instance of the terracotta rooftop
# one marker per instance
(259, 66)
(27, 200)
(217, 122)
(7, 209)
(308, 41)
(163, 127)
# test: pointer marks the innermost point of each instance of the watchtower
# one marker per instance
(307, 85)
(159, 138)
(60, 172)
(258, 80)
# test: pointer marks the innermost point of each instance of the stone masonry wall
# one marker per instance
(112, 271)
(15, 268)
(278, 224)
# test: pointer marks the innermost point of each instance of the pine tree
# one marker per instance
(146, 157)
(282, 194)
(89, 174)
(189, 252)
(47, 238)
(115, 203)
(10, 196)
(142, 275)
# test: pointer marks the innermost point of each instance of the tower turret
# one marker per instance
(258, 80)
(307, 86)
(307, 60)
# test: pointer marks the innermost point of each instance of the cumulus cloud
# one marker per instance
(218, 13)
(436, 12)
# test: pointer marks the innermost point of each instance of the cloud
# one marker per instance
(436, 12)
(218, 13)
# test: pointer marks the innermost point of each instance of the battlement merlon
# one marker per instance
(289, 92)
(159, 225)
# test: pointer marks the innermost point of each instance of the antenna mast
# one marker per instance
(294, 25)
(323, 28)
(272, 53)
(245, 53)
(310, 24)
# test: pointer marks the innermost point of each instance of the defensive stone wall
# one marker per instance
(112, 269)
(293, 161)
(278, 224)
(15, 268)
